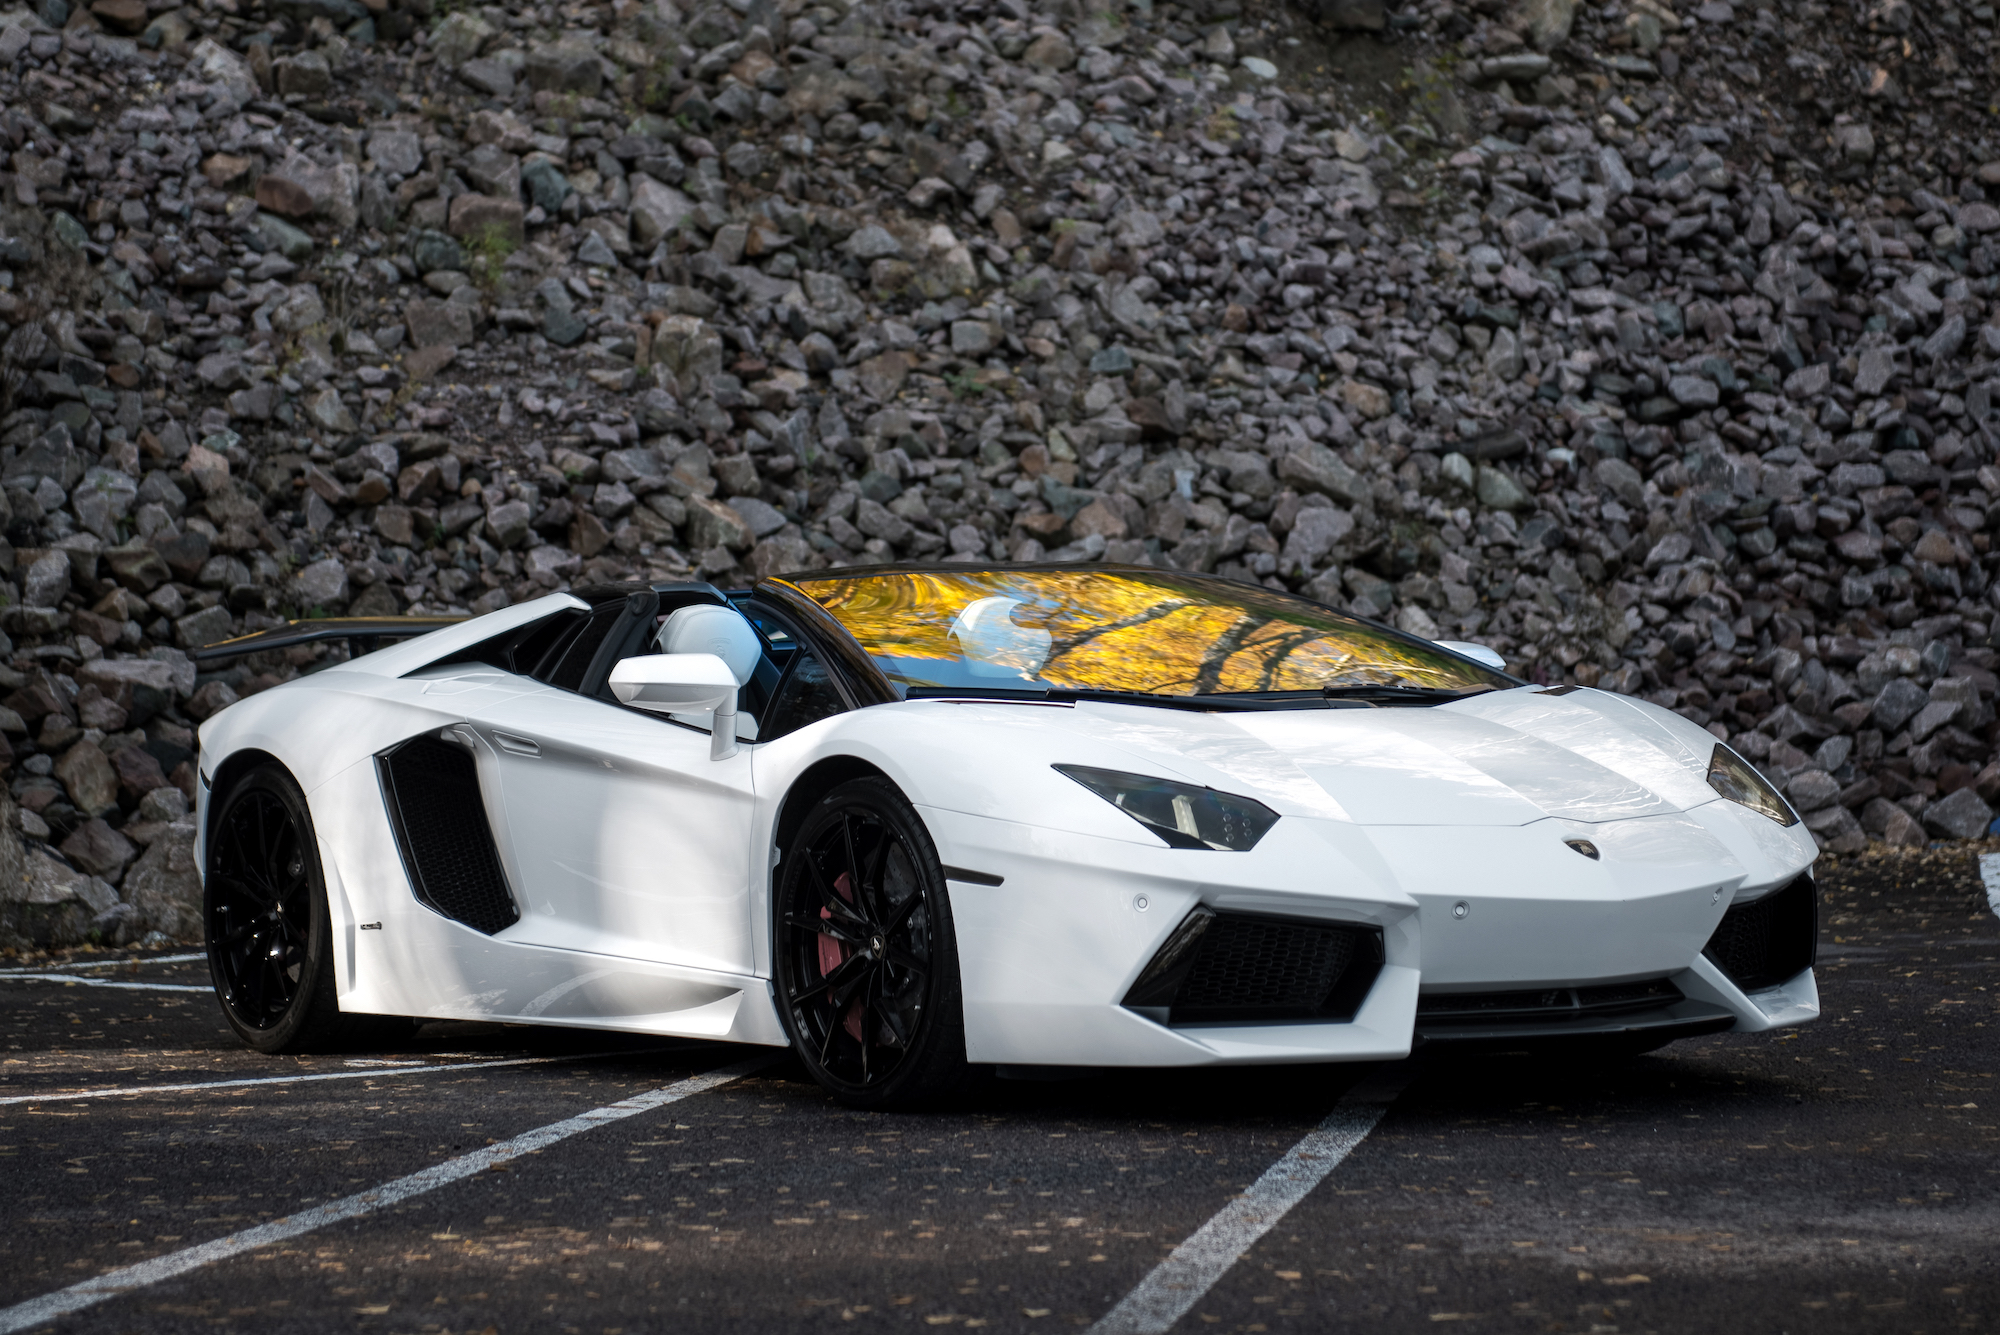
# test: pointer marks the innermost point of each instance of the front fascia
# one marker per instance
(1076, 918)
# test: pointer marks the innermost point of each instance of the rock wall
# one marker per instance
(1651, 344)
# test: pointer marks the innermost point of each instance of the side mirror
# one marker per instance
(1478, 653)
(682, 684)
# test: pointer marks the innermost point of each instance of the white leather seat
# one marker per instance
(706, 628)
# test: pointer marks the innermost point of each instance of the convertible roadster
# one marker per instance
(915, 821)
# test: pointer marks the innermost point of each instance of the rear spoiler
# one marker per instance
(364, 635)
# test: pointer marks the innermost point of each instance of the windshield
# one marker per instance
(1156, 632)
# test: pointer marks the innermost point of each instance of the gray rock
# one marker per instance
(1503, 359)
(397, 151)
(1313, 467)
(164, 885)
(438, 324)
(203, 628)
(1494, 488)
(1809, 790)
(762, 517)
(1621, 480)
(1878, 367)
(566, 67)
(460, 37)
(1898, 704)
(1549, 21)
(872, 242)
(656, 210)
(322, 584)
(1315, 533)
(1693, 391)
(1962, 815)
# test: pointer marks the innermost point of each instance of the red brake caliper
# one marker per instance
(832, 954)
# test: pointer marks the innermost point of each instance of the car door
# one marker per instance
(624, 837)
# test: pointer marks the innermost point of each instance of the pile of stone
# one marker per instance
(1545, 327)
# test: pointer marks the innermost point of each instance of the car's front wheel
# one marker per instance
(270, 944)
(867, 967)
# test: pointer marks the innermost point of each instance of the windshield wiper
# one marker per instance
(1397, 695)
(1070, 695)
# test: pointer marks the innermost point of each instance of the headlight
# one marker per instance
(1180, 813)
(1734, 777)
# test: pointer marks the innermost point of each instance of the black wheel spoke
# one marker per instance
(909, 963)
(853, 983)
(831, 901)
(832, 927)
(878, 893)
(893, 1022)
(841, 980)
(901, 916)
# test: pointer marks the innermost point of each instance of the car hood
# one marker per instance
(1506, 758)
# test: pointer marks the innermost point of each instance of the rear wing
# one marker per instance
(364, 635)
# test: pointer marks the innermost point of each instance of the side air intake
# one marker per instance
(1240, 968)
(432, 789)
(1762, 944)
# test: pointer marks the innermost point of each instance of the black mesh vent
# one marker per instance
(1245, 969)
(434, 804)
(1762, 944)
(1243, 962)
(1551, 1004)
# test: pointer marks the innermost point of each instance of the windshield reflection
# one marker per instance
(1122, 629)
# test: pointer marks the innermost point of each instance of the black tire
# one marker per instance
(861, 901)
(264, 915)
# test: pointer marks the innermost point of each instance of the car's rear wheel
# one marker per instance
(270, 944)
(867, 967)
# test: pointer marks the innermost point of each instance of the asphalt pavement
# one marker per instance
(1842, 1176)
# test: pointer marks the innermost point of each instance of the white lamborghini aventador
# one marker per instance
(916, 820)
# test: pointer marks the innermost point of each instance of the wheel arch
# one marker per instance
(819, 779)
(228, 774)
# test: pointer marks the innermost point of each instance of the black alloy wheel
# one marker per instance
(867, 968)
(270, 945)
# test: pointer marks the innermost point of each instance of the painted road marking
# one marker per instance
(369, 1074)
(1191, 1270)
(106, 964)
(61, 1303)
(1989, 872)
(77, 981)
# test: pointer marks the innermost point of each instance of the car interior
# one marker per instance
(782, 685)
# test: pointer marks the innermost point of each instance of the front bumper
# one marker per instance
(1050, 957)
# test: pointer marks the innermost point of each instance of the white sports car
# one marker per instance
(918, 820)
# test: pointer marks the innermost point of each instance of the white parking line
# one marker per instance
(111, 1284)
(374, 1072)
(103, 982)
(1989, 872)
(107, 964)
(1191, 1269)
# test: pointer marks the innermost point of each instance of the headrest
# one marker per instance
(708, 629)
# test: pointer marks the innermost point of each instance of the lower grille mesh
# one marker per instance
(1246, 963)
(1552, 1005)
(1762, 944)
(441, 829)
(1243, 968)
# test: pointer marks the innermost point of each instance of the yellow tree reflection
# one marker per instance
(1159, 632)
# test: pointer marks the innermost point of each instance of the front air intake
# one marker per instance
(432, 789)
(1764, 943)
(1546, 1005)
(1240, 968)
